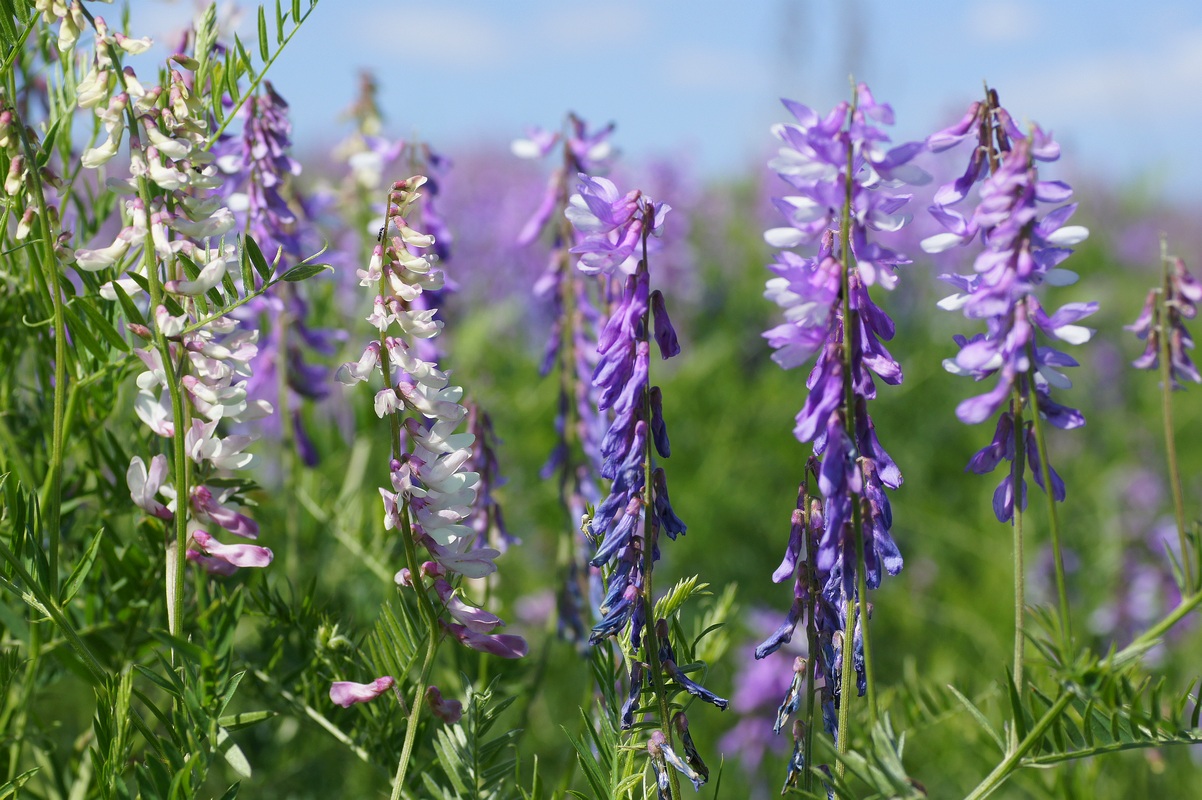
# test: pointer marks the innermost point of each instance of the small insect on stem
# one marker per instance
(380, 235)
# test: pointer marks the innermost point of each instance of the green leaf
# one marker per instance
(10, 789)
(264, 48)
(233, 753)
(305, 271)
(250, 248)
(101, 325)
(79, 332)
(979, 717)
(81, 569)
(189, 650)
(234, 722)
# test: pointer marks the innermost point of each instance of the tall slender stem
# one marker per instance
(1170, 442)
(1019, 494)
(415, 710)
(650, 533)
(52, 490)
(1053, 520)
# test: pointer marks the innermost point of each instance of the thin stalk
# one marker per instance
(1002, 771)
(51, 495)
(1016, 478)
(1053, 519)
(811, 643)
(650, 534)
(1170, 442)
(415, 710)
(850, 322)
(845, 684)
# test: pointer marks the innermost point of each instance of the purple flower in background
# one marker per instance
(580, 306)
(260, 189)
(1163, 318)
(1023, 249)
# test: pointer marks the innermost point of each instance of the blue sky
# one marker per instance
(1120, 86)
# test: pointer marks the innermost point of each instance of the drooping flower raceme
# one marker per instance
(627, 524)
(1163, 319)
(431, 492)
(1023, 249)
(844, 184)
(580, 306)
(173, 251)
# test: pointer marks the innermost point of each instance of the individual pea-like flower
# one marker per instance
(1023, 249)
(347, 693)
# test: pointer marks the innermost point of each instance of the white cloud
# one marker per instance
(567, 26)
(445, 37)
(1118, 84)
(1002, 21)
(696, 67)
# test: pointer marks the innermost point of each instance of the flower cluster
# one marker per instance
(846, 186)
(432, 494)
(1022, 250)
(173, 227)
(628, 520)
(1163, 321)
(626, 525)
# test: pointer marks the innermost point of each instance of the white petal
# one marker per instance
(783, 237)
(1069, 235)
(940, 242)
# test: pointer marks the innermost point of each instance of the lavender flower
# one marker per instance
(626, 525)
(260, 189)
(1022, 251)
(1163, 318)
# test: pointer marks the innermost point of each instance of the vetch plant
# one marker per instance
(627, 524)
(846, 184)
(431, 493)
(1162, 325)
(1022, 250)
(580, 305)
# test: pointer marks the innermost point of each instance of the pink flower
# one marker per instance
(347, 693)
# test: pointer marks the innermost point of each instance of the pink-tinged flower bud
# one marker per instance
(239, 555)
(449, 711)
(502, 645)
(347, 693)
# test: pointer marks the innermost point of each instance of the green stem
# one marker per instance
(1053, 518)
(415, 710)
(51, 495)
(1149, 636)
(650, 534)
(1170, 442)
(1011, 762)
(812, 643)
(845, 689)
(1017, 478)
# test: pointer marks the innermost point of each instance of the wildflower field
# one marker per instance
(346, 474)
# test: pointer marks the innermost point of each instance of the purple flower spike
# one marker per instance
(1023, 249)
(1178, 301)
(829, 313)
